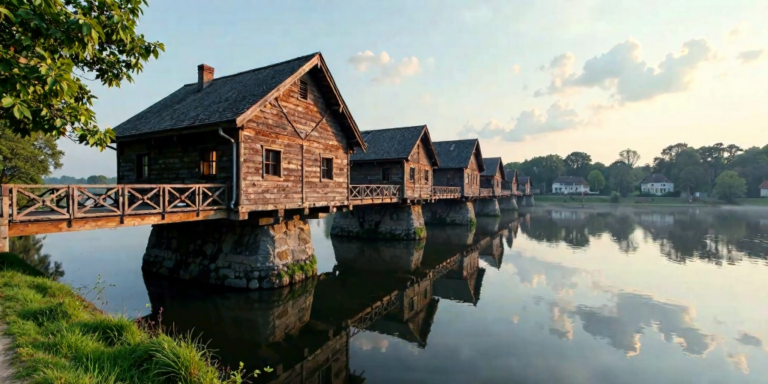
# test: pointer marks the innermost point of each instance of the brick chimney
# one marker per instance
(204, 76)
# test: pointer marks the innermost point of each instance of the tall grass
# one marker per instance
(61, 338)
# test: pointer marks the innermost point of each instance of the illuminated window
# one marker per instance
(208, 162)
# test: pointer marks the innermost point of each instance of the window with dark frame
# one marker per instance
(412, 174)
(207, 162)
(324, 376)
(326, 165)
(425, 294)
(142, 166)
(426, 176)
(272, 162)
(385, 174)
(303, 90)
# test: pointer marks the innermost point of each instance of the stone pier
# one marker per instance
(508, 203)
(238, 254)
(525, 201)
(384, 221)
(487, 207)
(449, 212)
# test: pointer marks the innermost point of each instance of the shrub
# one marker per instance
(615, 197)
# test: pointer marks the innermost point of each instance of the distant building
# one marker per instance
(570, 184)
(524, 185)
(510, 182)
(656, 184)
(494, 174)
(764, 189)
(461, 163)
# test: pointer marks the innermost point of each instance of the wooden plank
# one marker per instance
(85, 224)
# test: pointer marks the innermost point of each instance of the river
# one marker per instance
(551, 296)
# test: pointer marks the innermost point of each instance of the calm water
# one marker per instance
(554, 296)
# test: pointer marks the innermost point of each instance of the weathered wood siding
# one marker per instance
(493, 182)
(271, 129)
(441, 179)
(174, 159)
(472, 178)
(421, 162)
(371, 172)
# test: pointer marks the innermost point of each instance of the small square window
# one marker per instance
(208, 162)
(142, 166)
(327, 168)
(412, 174)
(272, 162)
(385, 174)
(303, 90)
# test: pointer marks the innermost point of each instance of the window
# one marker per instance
(208, 162)
(326, 165)
(412, 304)
(272, 163)
(385, 174)
(142, 166)
(425, 294)
(303, 90)
(449, 178)
(412, 174)
(426, 176)
(324, 376)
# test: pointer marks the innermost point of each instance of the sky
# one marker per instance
(529, 78)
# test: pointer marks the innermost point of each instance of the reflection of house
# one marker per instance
(462, 283)
(764, 189)
(656, 184)
(570, 184)
(357, 255)
(568, 215)
(412, 319)
(396, 156)
(494, 252)
(656, 219)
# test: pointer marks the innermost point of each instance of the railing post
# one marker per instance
(73, 201)
(5, 219)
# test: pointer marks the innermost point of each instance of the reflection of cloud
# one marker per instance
(750, 340)
(739, 362)
(369, 340)
(515, 319)
(562, 325)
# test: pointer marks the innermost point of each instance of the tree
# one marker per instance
(688, 171)
(596, 180)
(729, 186)
(623, 179)
(543, 169)
(512, 166)
(577, 164)
(50, 46)
(752, 165)
(630, 157)
(25, 160)
(97, 179)
(30, 249)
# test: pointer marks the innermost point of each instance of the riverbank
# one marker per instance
(645, 202)
(59, 337)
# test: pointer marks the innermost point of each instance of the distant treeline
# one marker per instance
(93, 179)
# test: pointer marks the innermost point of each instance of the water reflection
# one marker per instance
(30, 249)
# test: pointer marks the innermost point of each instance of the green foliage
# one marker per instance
(543, 170)
(729, 186)
(12, 262)
(615, 197)
(629, 157)
(25, 160)
(623, 179)
(596, 180)
(61, 338)
(68, 180)
(306, 269)
(472, 223)
(420, 232)
(577, 164)
(50, 46)
(30, 250)
(97, 179)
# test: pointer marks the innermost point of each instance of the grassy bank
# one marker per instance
(645, 201)
(59, 337)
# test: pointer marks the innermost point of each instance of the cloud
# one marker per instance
(389, 71)
(750, 340)
(426, 98)
(529, 123)
(516, 69)
(738, 31)
(749, 56)
(623, 72)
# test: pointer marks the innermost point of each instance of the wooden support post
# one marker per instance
(5, 212)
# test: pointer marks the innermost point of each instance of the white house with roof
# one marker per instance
(570, 184)
(656, 184)
(764, 189)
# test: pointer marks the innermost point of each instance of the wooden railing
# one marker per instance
(486, 192)
(62, 202)
(373, 191)
(446, 192)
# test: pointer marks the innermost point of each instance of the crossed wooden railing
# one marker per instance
(446, 192)
(56, 202)
(486, 192)
(374, 191)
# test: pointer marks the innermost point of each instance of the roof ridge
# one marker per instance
(450, 141)
(260, 68)
(393, 128)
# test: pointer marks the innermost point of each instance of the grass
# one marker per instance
(61, 338)
(645, 201)
(761, 202)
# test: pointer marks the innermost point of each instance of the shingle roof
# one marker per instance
(522, 179)
(457, 153)
(391, 143)
(511, 174)
(570, 180)
(492, 164)
(764, 185)
(226, 99)
(655, 178)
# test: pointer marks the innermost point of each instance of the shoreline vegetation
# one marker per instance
(554, 200)
(60, 337)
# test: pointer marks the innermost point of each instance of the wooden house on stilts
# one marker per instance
(461, 163)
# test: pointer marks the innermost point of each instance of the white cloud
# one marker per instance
(516, 68)
(738, 31)
(749, 56)
(558, 117)
(390, 72)
(623, 72)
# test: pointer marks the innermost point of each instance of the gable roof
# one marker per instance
(570, 180)
(511, 175)
(523, 179)
(394, 144)
(655, 178)
(764, 185)
(235, 98)
(457, 153)
(493, 164)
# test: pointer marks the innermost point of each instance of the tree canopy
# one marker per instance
(596, 180)
(577, 164)
(50, 46)
(729, 186)
(25, 160)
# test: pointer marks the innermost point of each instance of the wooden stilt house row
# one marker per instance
(403, 158)
(494, 175)
(461, 163)
(511, 181)
(524, 185)
(280, 135)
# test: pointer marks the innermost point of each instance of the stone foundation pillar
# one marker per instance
(487, 207)
(381, 221)
(5, 213)
(508, 203)
(238, 254)
(449, 212)
(528, 201)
